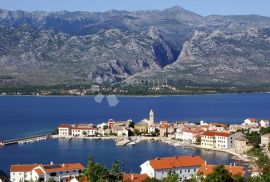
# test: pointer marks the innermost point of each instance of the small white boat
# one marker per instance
(131, 143)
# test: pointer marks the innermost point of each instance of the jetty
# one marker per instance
(23, 140)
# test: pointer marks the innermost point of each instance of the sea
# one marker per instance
(22, 116)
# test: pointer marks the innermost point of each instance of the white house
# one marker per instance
(64, 130)
(122, 132)
(264, 123)
(250, 122)
(152, 128)
(40, 172)
(221, 140)
(187, 136)
(184, 166)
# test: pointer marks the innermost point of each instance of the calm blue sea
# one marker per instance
(105, 152)
(27, 115)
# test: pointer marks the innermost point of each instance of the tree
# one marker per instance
(115, 171)
(51, 180)
(98, 173)
(171, 177)
(219, 174)
(131, 124)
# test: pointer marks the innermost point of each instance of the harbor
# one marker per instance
(23, 140)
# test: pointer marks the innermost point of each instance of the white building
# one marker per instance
(265, 140)
(77, 130)
(122, 132)
(221, 140)
(187, 136)
(264, 123)
(184, 166)
(64, 130)
(151, 128)
(40, 172)
(250, 122)
(151, 117)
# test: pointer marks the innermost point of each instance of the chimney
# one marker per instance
(230, 165)
(51, 163)
(234, 164)
(132, 177)
(205, 162)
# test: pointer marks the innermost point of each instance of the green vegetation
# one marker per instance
(98, 173)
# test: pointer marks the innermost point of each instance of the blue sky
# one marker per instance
(202, 7)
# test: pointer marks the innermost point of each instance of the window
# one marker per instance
(53, 174)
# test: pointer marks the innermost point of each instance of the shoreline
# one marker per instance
(175, 143)
(152, 96)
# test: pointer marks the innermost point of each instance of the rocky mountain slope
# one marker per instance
(218, 59)
(41, 48)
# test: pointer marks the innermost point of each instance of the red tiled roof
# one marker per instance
(214, 133)
(39, 171)
(254, 120)
(134, 177)
(234, 170)
(23, 167)
(174, 162)
(62, 167)
(64, 126)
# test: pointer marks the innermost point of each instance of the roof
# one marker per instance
(134, 177)
(64, 126)
(39, 171)
(46, 168)
(234, 170)
(23, 167)
(214, 133)
(62, 167)
(176, 162)
(252, 120)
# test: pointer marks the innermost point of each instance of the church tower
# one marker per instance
(151, 117)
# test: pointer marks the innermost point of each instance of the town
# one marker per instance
(235, 139)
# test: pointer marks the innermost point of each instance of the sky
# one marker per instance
(202, 7)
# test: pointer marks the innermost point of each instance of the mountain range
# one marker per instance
(51, 48)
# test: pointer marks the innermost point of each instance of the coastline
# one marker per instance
(242, 158)
(150, 96)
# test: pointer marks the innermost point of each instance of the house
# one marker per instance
(218, 127)
(163, 130)
(265, 140)
(111, 123)
(102, 125)
(214, 139)
(264, 123)
(142, 126)
(152, 128)
(250, 122)
(134, 177)
(188, 135)
(240, 145)
(83, 130)
(122, 131)
(184, 166)
(171, 130)
(206, 169)
(77, 130)
(64, 130)
(40, 172)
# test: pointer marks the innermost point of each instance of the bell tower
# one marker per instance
(151, 117)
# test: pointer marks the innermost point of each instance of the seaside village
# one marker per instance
(210, 136)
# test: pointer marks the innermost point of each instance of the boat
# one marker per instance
(131, 143)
